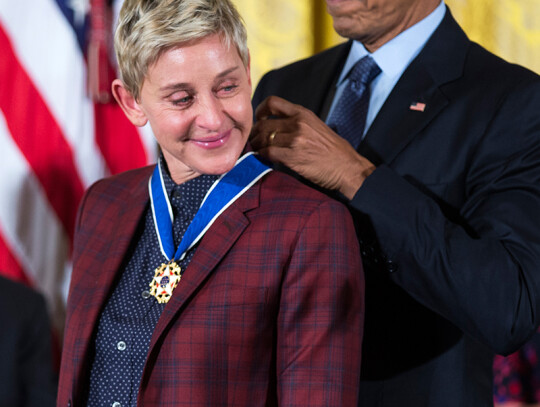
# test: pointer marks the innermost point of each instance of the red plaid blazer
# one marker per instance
(268, 313)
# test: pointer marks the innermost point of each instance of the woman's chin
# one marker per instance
(219, 170)
(224, 164)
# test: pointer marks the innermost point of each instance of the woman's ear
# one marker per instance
(132, 109)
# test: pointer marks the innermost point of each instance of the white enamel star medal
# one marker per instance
(165, 280)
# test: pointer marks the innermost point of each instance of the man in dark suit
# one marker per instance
(444, 187)
(27, 378)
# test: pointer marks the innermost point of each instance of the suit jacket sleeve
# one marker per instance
(320, 322)
(481, 270)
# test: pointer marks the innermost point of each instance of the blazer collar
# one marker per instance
(440, 62)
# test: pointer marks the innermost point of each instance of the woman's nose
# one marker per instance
(211, 114)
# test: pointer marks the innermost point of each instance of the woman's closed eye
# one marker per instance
(182, 100)
(227, 89)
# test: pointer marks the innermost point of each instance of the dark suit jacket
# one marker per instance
(268, 312)
(448, 223)
(27, 378)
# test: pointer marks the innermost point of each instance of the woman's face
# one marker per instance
(197, 98)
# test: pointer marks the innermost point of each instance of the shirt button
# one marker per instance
(121, 346)
(116, 404)
(177, 194)
(146, 294)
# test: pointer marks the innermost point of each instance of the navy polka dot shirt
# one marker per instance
(131, 313)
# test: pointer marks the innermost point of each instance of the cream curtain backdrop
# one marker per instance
(281, 31)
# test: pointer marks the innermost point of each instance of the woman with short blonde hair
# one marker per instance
(207, 279)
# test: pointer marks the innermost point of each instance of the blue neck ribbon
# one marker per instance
(227, 189)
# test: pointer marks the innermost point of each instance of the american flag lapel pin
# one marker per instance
(417, 106)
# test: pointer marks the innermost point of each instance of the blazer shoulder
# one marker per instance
(120, 187)
(450, 45)
(125, 180)
(451, 58)
(490, 83)
(495, 68)
(115, 193)
(284, 191)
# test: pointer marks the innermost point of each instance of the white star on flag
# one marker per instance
(80, 10)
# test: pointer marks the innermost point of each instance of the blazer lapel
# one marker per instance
(440, 62)
(396, 124)
(218, 240)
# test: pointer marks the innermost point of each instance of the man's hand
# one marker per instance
(294, 136)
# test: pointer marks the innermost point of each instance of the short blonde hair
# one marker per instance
(147, 28)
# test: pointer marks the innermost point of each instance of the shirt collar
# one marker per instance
(200, 185)
(394, 56)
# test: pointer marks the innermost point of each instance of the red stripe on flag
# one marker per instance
(39, 137)
(119, 141)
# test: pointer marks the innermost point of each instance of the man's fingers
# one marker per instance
(274, 138)
(275, 106)
(279, 138)
(276, 154)
(269, 132)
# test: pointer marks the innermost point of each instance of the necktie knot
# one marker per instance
(364, 71)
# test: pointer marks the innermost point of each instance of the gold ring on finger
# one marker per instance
(271, 137)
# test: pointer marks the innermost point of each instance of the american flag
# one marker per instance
(55, 140)
(418, 106)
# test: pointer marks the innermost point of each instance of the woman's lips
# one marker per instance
(212, 142)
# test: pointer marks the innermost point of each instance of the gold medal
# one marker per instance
(165, 280)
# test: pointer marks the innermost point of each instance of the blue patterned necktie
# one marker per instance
(349, 115)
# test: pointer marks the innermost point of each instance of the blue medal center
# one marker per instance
(164, 281)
